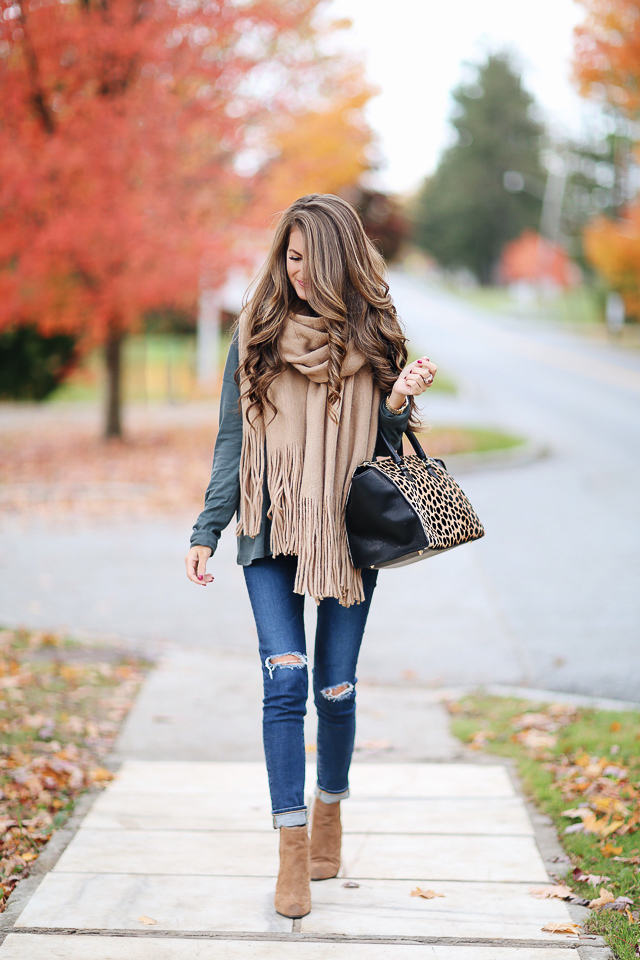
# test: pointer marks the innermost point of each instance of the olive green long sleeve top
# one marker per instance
(222, 498)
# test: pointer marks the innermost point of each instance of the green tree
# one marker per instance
(464, 215)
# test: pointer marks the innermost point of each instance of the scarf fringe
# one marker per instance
(313, 532)
(252, 472)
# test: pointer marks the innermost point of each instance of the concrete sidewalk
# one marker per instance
(189, 846)
(177, 858)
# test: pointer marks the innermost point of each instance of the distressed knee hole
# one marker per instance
(339, 692)
(290, 661)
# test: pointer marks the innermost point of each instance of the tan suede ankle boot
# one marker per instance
(293, 895)
(326, 840)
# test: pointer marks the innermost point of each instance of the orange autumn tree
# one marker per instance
(121, 126)
(607, 65)
(324, 151)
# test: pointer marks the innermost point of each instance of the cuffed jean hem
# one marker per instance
(292, 818)
(331, 797)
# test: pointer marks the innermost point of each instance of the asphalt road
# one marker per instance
(550, 598)
(560, 563)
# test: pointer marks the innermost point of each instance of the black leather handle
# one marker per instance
(415, 443)
(393, 453)
(413, 440)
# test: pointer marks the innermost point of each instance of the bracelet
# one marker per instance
(396, 413)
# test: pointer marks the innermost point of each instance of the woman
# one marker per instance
(317, 365)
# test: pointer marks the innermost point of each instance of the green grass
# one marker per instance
(596, 733)
(443, 441)
(485, 439)
(61, 707)
(582, 305)
(156, 367)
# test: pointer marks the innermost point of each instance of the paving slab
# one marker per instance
(502, 911)
(97, 901)
(166, 811)
(255, 854)
(202, 705)
(190, 845)
(42, 947)
(430, 780)
(460, 815)
(234, 904)
(172, 853)
(399, 856)
(152, 810)
(234, 780)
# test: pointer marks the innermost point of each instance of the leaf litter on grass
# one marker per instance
(60, 711)
(576, 773)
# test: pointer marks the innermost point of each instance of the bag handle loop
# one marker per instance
(399, 460)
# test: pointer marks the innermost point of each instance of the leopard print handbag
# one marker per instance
(403, 509)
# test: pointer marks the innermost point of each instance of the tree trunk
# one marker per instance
(113, 358)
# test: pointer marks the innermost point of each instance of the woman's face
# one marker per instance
(296, 262)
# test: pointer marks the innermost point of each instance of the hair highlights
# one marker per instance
(344, 283)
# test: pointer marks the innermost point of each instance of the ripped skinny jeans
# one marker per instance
(279, 616)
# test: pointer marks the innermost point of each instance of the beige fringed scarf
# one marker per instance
(309, 459)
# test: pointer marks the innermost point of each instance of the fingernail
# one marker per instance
(419, 361)
(199, 577)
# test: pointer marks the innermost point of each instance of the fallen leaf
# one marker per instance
(605, 897)
(620, 904)
(480, 739)
(351, 885)
(610, 805)
(620, 773)
(425, 894)
(534, 721)
(29, 855)
(608, 850)
(558, 890)
(101, 775)
(147, 920)
(630, 916)
(595, 879)
(616, 725)
(600, 827)
(563, 927)
(537, 739)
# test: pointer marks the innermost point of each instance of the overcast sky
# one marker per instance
(414, 52)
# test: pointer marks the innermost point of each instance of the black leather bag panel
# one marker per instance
(381, 525)
(403, 509)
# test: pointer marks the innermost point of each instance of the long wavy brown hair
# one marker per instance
(344, 282)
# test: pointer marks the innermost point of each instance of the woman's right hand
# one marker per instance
(196, 561)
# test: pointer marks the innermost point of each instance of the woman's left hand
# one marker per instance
(414, 380)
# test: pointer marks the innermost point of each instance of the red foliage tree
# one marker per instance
(535, 260)
(607, 65)
(121, 123)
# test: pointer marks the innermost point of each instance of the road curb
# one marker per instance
(519, 456)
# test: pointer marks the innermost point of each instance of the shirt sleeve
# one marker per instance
(223, 493)
(392, 426)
